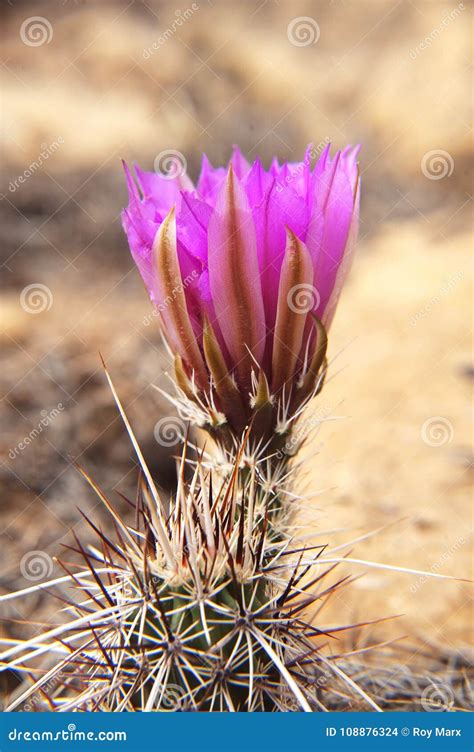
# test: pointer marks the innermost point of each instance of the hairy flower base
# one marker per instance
(269, 418)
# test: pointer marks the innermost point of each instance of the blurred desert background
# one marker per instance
(395, 443)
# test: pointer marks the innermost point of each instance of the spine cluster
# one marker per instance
(199, 605)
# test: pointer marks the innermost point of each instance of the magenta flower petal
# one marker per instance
(295, 279)
(210, 180)
(328, 229)
(278, 211)
(239, 164)
(345, 264)
(168, 288)
(235, 279)
(162, 192)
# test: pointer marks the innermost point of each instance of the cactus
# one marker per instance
(198, 607)
(200, 604)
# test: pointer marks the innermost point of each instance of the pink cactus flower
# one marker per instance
(244, 266)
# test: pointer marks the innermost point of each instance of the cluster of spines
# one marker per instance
(216, 627)
(199, 605)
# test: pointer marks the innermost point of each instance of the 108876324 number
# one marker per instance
(362, 731)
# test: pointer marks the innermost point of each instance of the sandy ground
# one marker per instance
(391, 75)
